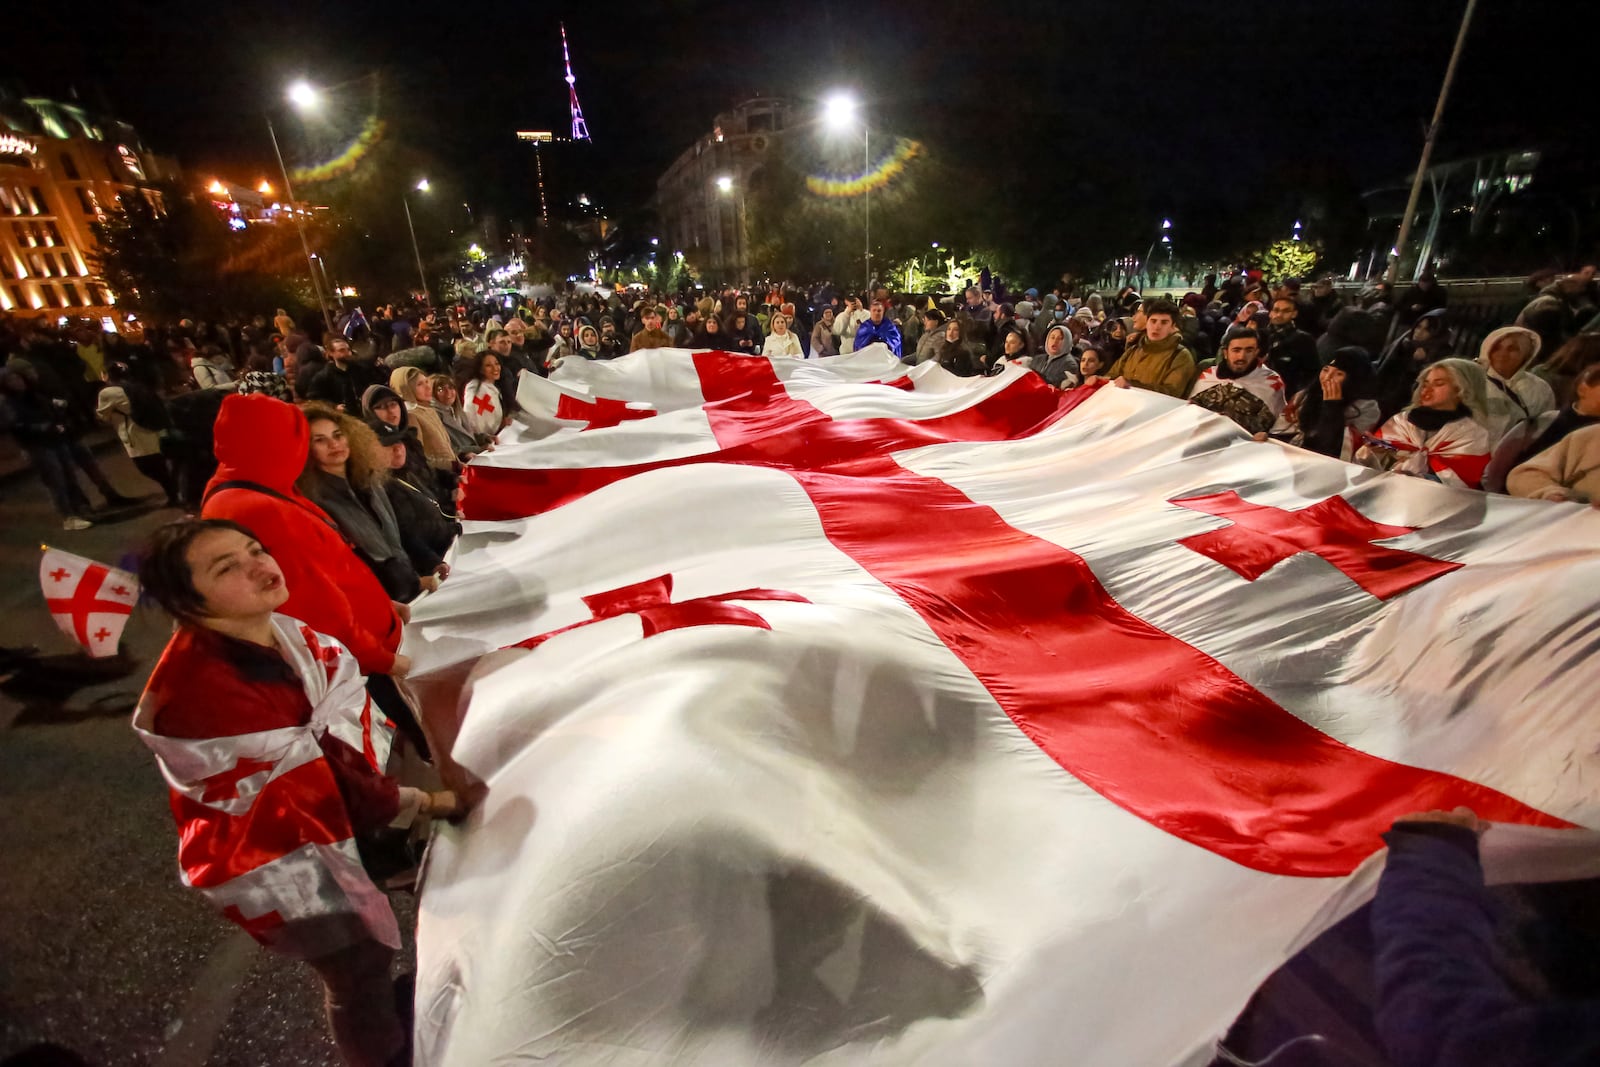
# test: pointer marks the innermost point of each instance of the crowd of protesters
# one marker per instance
(1377, 379)
(324, 469)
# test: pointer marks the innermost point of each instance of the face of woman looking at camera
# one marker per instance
(234, 575)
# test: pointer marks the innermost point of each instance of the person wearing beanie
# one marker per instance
(426, 532)
(1334, 413)
(1442, 436)
(610, 343)
(382, 404)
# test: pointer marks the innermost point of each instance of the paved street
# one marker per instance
(101, 950)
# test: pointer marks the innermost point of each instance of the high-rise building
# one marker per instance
(700, 200)
(62, 167)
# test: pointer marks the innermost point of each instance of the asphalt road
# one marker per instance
(102, 950)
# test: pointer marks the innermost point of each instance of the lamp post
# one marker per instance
(838, 113)
(725, 186)
(301, 95)
(1166, 224)
(422, 275)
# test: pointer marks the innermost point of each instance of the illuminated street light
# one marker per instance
(422, 275)
(839, 111)
(1166, 224)
(216, 188)
(265, 188)
(839, 114)
(303, 96)
(725, 183)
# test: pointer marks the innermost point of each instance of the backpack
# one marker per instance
(146, 408)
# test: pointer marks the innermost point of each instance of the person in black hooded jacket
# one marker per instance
(1426, 343)
(1337, 407)
(426, 532)
(382, 404)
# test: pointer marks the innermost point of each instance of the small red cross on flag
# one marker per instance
(89, 601)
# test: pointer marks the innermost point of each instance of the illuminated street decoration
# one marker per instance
(345, 162)
(884, 172)
(13, 145)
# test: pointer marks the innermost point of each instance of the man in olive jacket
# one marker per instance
(1158, 360)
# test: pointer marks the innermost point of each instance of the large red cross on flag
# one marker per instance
(1066, 679)
(89, 601)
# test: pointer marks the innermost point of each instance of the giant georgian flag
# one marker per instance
(835, 713)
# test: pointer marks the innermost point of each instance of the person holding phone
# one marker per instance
(1442, 436)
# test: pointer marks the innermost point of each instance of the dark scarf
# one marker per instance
(1226, 371)
(1431, 420)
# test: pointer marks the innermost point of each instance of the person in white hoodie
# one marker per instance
(846, 325)
(1515, 395)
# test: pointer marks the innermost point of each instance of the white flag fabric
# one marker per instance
(89, 601)
(835, 713)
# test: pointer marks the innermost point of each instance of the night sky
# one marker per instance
(1188, 92)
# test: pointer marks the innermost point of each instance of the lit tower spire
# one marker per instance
(580, 132)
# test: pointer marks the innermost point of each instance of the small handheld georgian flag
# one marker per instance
(89, 601)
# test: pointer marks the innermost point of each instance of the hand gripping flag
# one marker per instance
(263, 831)
(89, 601)
(837, 713)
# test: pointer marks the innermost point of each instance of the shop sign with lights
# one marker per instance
(130, 161)
(15, 149)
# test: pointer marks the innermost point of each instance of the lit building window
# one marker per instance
(53, 234)
(39, 205)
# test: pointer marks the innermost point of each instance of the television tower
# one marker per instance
(580, 132)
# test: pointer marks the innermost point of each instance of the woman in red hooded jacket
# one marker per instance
(261, 446)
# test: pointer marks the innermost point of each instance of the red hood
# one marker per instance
(259, 439)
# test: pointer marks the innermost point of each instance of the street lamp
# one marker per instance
(405, 200)
(724, 183)
(304, 97)
(839, 114)
(1166, 224)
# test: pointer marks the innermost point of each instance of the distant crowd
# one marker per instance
(1377, 380)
